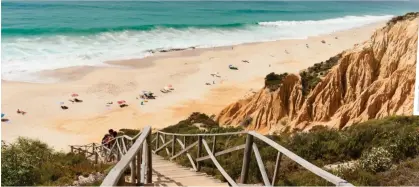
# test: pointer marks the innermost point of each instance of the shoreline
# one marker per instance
(187, 70)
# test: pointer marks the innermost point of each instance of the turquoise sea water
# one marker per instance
(54, 34)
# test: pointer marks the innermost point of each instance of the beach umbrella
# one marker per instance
(74, 95)
(2, 115)
(121, 102)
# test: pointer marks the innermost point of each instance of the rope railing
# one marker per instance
(137, 156)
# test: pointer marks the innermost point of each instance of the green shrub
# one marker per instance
(398, 135)
(312, 76)
(274, 81)
(376, 160)
(28, 162)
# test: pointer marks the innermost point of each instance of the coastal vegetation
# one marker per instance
(408, 16)
(29, 162)
(273, 81)
(376, 152)
(310, 77)
(313, 75)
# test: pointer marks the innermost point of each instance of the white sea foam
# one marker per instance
(24, 56)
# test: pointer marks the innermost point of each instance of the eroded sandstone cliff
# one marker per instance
(373, 80)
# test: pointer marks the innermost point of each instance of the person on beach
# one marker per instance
(107, 138)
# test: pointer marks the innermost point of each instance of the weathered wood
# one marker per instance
(143, 164)
(309, 166)
(184, 149)
(220, 169)
(138, 168)
(261, 165)
(173, 145)
(157, 141)
(164, 141)
(246, 159)
(149, 159)
(198, 154)
(118, 170)
(229, 150)
(124, 146)
(72, 149)
(214, 142)
(208, 134)
(277, 165)
(133, 169)
(163, 146)
(184, 140)
(187, 154)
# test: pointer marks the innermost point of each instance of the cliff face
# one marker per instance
(373, 80)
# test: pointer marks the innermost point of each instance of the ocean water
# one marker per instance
(54, 34)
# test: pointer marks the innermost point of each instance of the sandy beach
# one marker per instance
(187, 71)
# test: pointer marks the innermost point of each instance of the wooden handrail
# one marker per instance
(309, 166)
(208, 134)
(114, 176)
(138, 156)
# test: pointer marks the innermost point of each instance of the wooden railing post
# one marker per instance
(143, 163)
(72, 149)
(149, 160)
(157, 140)
(133, 170)
(214, 141)
(246, 159)
(139, 160)
(173, 145)
(198, 165)
(277, 165)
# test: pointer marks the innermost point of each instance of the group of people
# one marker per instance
(109, 138)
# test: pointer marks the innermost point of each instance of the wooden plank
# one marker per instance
(220, 169)
(215, 134)
(184, 149)
(246, 159)
(187, 154)
(261, 165)
(118, 170)
(124, 146)
(143, 164)
(138, 169)
(309, 166)
(236, 148)
(277, 166)
(163, 139)
(198, 153)
(149, 159)
(163, 146)
(174, 145)
(214, 142)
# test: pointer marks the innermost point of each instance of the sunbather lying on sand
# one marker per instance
(64, 107)
(21, 112)
(123, 105)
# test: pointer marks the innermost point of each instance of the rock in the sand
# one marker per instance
(336, 37)
(323, 41)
